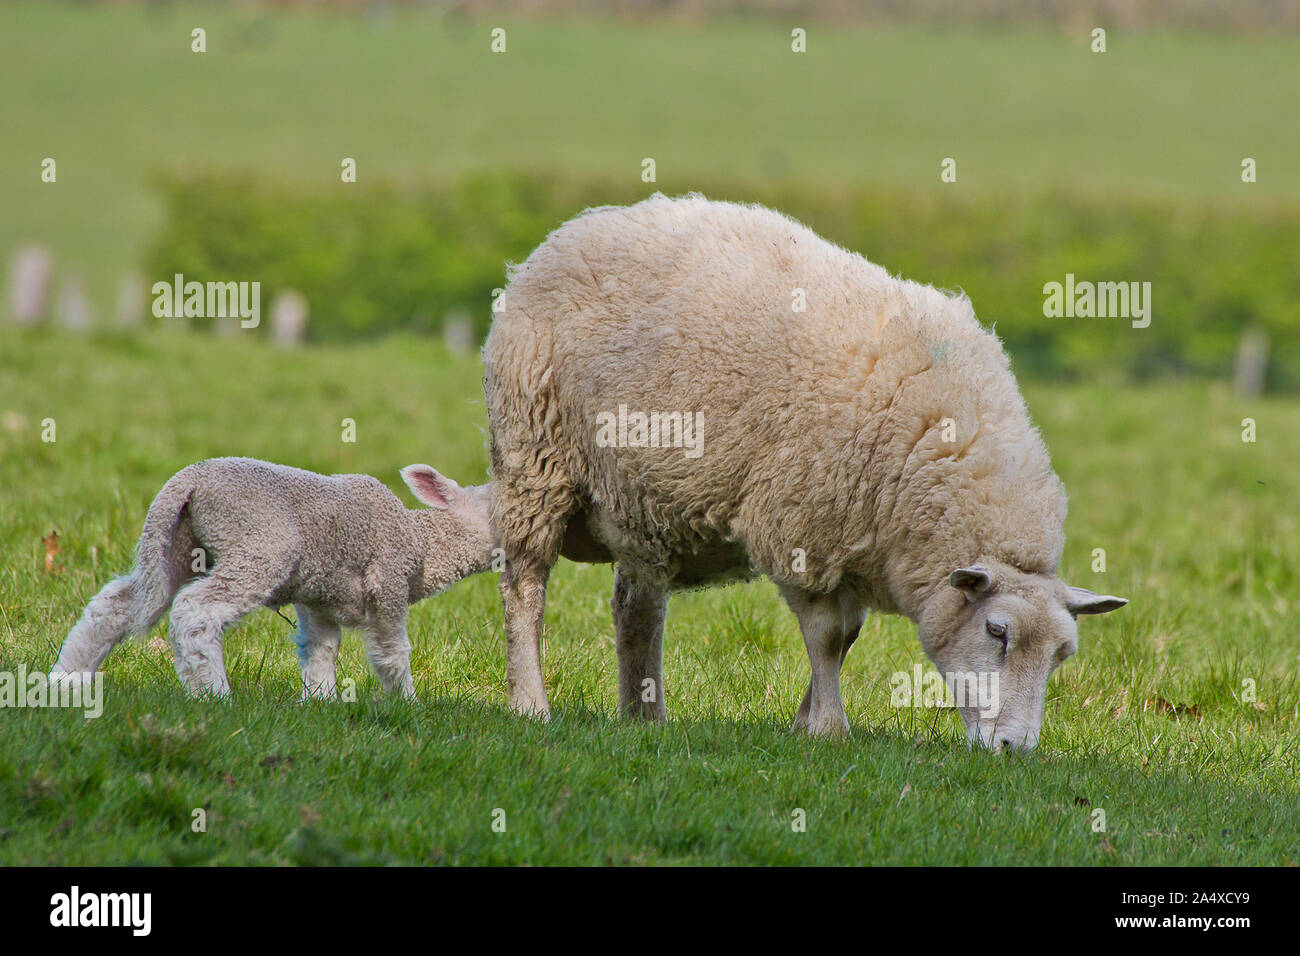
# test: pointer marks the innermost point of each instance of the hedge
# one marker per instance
(380, 258)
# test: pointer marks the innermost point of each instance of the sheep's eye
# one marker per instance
(996, 630)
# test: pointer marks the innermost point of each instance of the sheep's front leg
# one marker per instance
(827, 639)
(389, 650)
(318, 640)
(851, 618)
(523, 592)
(639, 614)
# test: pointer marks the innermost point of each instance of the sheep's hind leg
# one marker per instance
(109, 617)
(318, 640)
(828, 632)
(201, 614)
(532, 506)
(389, 651)
(523, 592)
(639, 614)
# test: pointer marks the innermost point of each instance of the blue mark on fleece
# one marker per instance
(299, 638)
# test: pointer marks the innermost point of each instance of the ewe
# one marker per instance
(863, 444)
(228, 535)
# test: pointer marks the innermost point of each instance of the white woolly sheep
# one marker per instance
(228, 535)
(857, 438)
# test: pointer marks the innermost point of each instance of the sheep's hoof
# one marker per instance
(533, 709)
(826, 729)
(647, 713)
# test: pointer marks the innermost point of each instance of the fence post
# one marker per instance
(289, 315)
(1252, 363)
(30, 272)
(458, 333)
(74, 310)
(131, 301)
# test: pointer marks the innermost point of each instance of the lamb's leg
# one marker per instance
(109, 617)
(134, 603)
(389, 651)
(205, 608)
(852, 616)
(822, 622)
(523, 592)
(318, 641)
(639, 631)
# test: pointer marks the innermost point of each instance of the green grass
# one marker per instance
(1146, 723)
(114, 95)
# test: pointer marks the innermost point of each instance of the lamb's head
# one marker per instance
(996, 634)
(458, 539)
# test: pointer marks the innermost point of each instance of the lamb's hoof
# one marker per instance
(218, 694)
(71, 679)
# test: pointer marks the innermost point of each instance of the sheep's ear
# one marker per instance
(1082, 601)
(972, 581)
(434, 489)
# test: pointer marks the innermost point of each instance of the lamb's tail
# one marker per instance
(133, 603)
(162, 557)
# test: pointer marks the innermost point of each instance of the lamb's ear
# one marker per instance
(972, 581)
(1082, 601)
(434, 489)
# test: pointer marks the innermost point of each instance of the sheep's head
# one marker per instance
(463, 538)
(996, 634)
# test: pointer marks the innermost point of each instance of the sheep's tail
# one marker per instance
(133, 603)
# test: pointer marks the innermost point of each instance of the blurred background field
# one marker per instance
(1179, 713)
(1123, 165)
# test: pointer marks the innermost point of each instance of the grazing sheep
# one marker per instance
(857, 438)
(228, 535)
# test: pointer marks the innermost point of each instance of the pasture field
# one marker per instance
(1154, 722)
(115, 95)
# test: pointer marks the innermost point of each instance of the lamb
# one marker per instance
(859, 439)
(227, 535)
